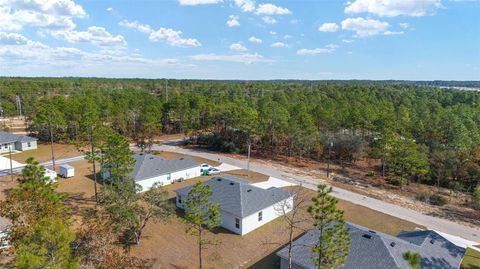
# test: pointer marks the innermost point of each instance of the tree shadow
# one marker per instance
(271, 261)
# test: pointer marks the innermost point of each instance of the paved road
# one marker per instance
(48, 164)
(430, 222)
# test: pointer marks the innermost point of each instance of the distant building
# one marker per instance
(374, 250)
(243, 207)
(150, 169)
(16, 142)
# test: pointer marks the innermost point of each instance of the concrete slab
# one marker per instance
(5, 163)
(273, 182)
(224, 167)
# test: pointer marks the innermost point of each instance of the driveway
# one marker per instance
(434, 223)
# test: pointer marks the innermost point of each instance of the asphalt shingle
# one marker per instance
(149, 166)
(238, 197)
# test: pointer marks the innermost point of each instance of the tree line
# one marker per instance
(417, 132)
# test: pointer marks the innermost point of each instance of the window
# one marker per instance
(6, 146)
(169, 176)
(260, 216)
(237, 223)
(29, 144)
(179, 199)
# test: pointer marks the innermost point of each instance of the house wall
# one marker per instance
(248, 223)
(5, 147)
(166, 180)
(24, 146)
(270, 213)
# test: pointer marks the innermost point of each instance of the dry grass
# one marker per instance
(167, 244)
(43, 152)
(251, 176)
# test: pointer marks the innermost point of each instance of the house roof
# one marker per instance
(371, 250)
(11, 138)
(238, 197)
(148, 166)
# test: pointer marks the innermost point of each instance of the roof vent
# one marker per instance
(151, 158)
(219, 179)
(231, 183)
(249, 190)
(181, 158)
(432, 241)
(373, 232)
(368, 236)
(392, 244)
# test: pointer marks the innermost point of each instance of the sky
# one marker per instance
(242, 39)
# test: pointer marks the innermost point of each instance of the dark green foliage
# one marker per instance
(334, 242)
(437, 199)
(413, 259)
(420, 133)
(201, 215)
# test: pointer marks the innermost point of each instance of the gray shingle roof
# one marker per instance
(10, 138)
(148, 166)
(374, 250)
(238, 196)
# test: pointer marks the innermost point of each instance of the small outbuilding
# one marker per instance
(67, 171)
(50, 174)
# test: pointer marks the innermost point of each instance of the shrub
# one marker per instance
(476, 197)
(396, 180)
(370, 174)
(423, 197)
(436, 199)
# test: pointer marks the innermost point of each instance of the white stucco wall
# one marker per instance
(165, 180)
(270, 213)
(24, 146)
(3, 149)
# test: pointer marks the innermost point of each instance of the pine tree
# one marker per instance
(334, 240)
(202, 215)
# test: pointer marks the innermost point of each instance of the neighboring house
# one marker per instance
(150, 169)
(374, 250)
(16, 142)
(243, 207)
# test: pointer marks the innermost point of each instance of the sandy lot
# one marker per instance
(167, 244)
(44, 152)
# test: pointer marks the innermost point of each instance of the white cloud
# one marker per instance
(233, 21)
(393, 33)
(272, 33)
(278, 45)
(404, 25)
(174, 38)
(393, 8)
(144, 28)
(364, 27)
(269, 20)
(245, 58)
(287, 36)
(95, 35)
(294, 21)
(271, 9)
(12, 39)
(198, 2)
(238, 47)
(317, 51)
(48, 15)
(348, 40)
(253, 39)
(245, 5)
(109, 9)
(328, 27)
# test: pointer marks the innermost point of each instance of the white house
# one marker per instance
(16, 142)
(150, 169)
(243, 207)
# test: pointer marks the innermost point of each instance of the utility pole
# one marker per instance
(94, 168)
(51, 140)
(11, 164)
(248, 160)
(19, 104)
(166, 90)
(330, 145)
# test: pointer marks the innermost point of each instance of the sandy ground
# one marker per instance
(170, 247)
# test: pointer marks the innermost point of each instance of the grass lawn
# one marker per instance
(471, 260)
(43, 152)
